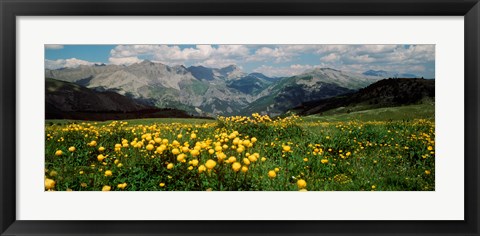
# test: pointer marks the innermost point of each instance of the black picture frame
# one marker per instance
(470, 9)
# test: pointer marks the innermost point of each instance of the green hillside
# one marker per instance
(420, 111)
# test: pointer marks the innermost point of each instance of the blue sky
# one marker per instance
(272, 60)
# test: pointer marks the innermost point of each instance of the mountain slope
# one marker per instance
(407, 112)
(252, 84)
(225, 73)
(320, 83)
(291, 95)
(64, 100)
(341, 78)
(164, 86)
(384, 93)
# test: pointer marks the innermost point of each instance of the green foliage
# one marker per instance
(333, 155)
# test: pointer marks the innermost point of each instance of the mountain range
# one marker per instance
(205, 91)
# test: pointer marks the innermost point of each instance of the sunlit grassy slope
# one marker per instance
(410, 112)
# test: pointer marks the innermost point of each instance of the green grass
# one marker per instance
(410, 112)
(329, 154)
(146, 121)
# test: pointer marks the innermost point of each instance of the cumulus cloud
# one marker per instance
(124, 60)
(53, 46)
(330, 57)
(62, 63)
(394, 58)
(173, 55)
(277, 54)
(283, 71)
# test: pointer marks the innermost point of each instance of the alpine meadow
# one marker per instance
(239, 117)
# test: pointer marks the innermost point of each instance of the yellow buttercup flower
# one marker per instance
(175, 151)
(181, 157)
(106, 188)
(101, 149)
(324, 161)
(272, 174)
(232, 159)
(71, 149)
(194, 153)
(49, 183)
(301, 183)
(210, 164)
(149, 147)
(108, 173)
(286, 148)
(58, 153)
(244, 169)
(122, 186)
(100, 157)
(236, 166)
(201, 169)
(162, 185)
(170, 166)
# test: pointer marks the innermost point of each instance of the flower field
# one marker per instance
(255, 153)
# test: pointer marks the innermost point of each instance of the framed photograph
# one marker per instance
(257, 117)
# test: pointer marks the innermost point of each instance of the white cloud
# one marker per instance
(393, 58)
(174, 55)
(217, 63)
(70, 63)
(232, 51)
(283, 71)
(330, 57)
(53, 46)
(124, 60)
(277, 54)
